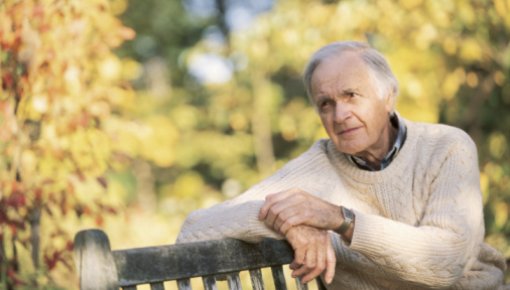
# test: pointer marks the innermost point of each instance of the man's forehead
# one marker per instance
(344, 66)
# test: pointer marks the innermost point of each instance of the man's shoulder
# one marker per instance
(441, 135)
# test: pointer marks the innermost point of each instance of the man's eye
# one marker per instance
(325, 104)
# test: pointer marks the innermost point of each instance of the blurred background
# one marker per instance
(127, 115)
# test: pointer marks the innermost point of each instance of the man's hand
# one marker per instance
(289, 208)
(313, 253)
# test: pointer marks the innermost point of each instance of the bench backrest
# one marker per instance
(101, 268)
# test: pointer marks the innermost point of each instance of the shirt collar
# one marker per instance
(396, 122)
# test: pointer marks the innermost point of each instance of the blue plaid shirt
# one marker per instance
(399, 142)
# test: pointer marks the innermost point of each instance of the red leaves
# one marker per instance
(53, 100)
(7, 81)
(14, 277)
(16, 200)
(102, 181)
(53, 258)
(127, 33)
(17, 197)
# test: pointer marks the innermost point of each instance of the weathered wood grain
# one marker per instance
(234, 283)
(209, 283)
(278, 277)
(94, 261)
(256, 279)
(99, 268)
(183, 284)
(157, 286)
(153, 264)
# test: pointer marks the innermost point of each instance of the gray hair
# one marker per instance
(379, 67)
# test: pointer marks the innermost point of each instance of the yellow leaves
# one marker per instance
(110, 68)
(153, 139)
(501, 210)
(413, 87)
(288, 128)
(465, 12)
(30, 42)
(158, 141)
(419, 110)
(28, 164)
(503, 10)
(452, 83)
(494, 184)
(494, 171)
(238, 121)
(72, 78)
(426, 35)
(484, 186)
(131, 69)
(189, 184)
(411, 4)
(118, 6)
(470, 50)
(450, 45)
(185, 117)
(499, 78)
(8, 122)
(472, 79)
(125, 138)
(90, 150)
(497, 144)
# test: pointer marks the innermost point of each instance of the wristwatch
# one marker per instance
(348, 220)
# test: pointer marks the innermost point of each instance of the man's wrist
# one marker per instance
(347, 221)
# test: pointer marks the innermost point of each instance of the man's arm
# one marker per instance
(237, 218)
(434, 252)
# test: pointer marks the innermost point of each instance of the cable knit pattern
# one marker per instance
(419, 222)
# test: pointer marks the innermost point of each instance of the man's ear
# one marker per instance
(389, 102)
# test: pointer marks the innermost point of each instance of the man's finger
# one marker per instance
(294, 220)
(330, 264)
(270, 200)
(294, 265)
(310, 264)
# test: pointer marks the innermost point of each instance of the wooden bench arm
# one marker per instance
(94, 261)
(101, 268)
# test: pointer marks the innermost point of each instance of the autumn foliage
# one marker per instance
(60, 85)
(78, 143)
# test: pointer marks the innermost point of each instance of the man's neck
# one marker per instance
(374, 159)
(382, 156)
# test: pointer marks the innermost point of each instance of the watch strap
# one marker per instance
(347, 222)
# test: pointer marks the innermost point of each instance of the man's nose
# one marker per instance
(342, 112)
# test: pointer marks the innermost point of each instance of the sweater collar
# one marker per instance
(397, 123)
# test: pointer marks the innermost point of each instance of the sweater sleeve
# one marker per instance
(238, 218)
(436, 252)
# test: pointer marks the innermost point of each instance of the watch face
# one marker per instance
(348, 214)
(348, 219)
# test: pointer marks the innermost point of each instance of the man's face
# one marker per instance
(353, 114)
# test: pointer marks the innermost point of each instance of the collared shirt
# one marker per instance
(399, 142)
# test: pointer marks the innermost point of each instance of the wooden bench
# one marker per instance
(100, 268)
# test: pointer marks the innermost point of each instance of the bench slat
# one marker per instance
(234, 283)
(320, 285)
(157, 286)
(183, 284)
(163, 263)
(129, 288)
(209, 283)
(256, 279)
(278, 277)
(299, 285)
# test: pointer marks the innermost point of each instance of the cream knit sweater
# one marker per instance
(419, 222)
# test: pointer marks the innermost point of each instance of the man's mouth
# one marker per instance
(348, 131)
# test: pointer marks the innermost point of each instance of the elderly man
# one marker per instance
(384, 203)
